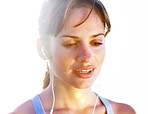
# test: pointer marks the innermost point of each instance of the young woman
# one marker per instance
(72, 36)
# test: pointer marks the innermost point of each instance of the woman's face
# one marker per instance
(77, 53)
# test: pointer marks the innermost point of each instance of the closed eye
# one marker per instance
(96, 43)
(69, 45)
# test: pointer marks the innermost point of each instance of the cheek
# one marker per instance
(61, 56)
(99, 56)
(61, 61)
(100, 53)
(98, 59)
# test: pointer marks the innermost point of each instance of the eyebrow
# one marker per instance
(99, 34)
(93, 36)
(69, 36)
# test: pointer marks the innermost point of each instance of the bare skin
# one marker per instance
(79, 47)
(118, 108)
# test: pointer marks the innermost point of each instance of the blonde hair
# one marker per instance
(53, 15)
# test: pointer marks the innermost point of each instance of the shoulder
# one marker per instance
(121, 108)
(25, 108)
(124, 109)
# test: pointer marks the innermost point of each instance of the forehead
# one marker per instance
(77, 15)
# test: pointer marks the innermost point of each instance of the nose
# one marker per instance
(85, 54)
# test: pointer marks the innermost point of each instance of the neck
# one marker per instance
(68, 97)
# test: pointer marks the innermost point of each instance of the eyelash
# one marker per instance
(95, 44)
(70, 45)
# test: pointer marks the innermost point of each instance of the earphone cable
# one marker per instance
(53, 95)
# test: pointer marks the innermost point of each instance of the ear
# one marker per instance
(40, 47)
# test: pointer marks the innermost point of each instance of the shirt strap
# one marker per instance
(107, 105)
(38, 105)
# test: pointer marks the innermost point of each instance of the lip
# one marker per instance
(85, 75)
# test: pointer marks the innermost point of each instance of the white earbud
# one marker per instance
(43, 52)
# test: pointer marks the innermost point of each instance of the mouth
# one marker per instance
(85, 72)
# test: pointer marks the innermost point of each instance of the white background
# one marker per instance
(125, 70)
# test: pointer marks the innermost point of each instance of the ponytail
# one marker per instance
(46, 80)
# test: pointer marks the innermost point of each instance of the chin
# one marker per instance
(83, 86)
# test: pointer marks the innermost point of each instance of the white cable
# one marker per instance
(95, 105)
(53, 96)
(53, 102)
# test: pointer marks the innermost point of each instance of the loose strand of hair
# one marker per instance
(93, 5)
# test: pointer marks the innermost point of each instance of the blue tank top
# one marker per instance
(40, 110)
